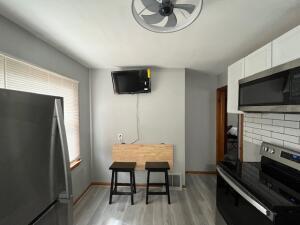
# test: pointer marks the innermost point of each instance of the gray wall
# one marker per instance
(200, 121)
(18, 43)
(162, 118)
(222, 79)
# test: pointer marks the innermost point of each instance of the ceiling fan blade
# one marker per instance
(153, 19)
(172, 21)
(151, 5)
(187, 7)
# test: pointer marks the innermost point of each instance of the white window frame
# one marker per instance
(55, 89)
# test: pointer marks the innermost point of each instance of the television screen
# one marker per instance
(131, 81)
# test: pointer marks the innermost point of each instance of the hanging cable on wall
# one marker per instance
(137, 121)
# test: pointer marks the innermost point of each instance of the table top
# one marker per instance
(157, 165)
(142, 153)
(123, 166)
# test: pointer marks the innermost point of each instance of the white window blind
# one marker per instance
(1, 71)
(25, 77)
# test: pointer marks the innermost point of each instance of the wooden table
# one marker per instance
(142, 153)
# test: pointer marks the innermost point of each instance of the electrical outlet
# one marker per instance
(120, 138)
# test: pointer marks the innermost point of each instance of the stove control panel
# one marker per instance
(269, 150)
(281, 154)
(290, 156)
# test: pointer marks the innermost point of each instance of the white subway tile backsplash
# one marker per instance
(256, 136)
(256, 142)
(286, 137)
(246, 134)
(293, 117)
(283, 123)
(247, 139)
(262, 121)
(272, 141)
(292, 146)
(253, 125)
(278, 129)
(251, 135)
(253, 115)
(291, 131)
(248, 119)
(248, 129)
(273, 116)
(273, 128)
(262, 132)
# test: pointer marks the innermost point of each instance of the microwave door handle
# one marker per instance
(245, 194)
(67, 194)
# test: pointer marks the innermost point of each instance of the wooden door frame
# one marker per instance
(221, 121)
(241, 140)
(221, 126)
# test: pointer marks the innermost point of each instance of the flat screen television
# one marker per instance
(131, 81)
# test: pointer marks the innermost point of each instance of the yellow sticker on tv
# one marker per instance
(149, 73)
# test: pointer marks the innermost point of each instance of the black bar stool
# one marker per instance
(122, 167)
(158, 167)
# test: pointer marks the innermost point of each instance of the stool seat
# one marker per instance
(123, 166)
(158, 167)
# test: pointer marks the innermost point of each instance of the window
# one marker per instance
(1, 71)
(17, 75)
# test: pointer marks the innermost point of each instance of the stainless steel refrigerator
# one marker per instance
(35, 180)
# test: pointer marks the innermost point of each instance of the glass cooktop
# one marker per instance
(275, 185)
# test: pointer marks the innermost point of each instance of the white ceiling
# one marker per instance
(103, 33)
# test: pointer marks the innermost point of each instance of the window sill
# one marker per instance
(75, 164)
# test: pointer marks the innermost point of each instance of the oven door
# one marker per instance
(237, 205)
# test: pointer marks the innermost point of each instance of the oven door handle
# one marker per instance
(245, 194)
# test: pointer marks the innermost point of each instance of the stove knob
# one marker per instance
(266, 149)
(271, 151)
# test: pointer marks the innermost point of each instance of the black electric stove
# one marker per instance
(261, 193)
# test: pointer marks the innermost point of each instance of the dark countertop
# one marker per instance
(268, 188)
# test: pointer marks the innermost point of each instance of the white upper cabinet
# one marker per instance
(235, 72)
(287, 47)
(259, 60)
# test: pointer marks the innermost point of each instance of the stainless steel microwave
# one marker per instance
(273, 90)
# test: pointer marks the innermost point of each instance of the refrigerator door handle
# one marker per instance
(67, 194)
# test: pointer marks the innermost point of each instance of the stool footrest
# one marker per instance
(121, 193)
(123, 184)
(156, 184)
(157, 193)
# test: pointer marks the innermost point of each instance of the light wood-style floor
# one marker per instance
(194, 205)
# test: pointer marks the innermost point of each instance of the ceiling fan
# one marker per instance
(166, 15)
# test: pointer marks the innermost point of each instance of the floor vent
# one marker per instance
(175, 181)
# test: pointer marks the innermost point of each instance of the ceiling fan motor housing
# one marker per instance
(166, 8)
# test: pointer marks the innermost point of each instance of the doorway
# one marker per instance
(229, 134)
(221, 118)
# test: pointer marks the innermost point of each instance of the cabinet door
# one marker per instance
(259, 60)
(235, 72)
(287, 47)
